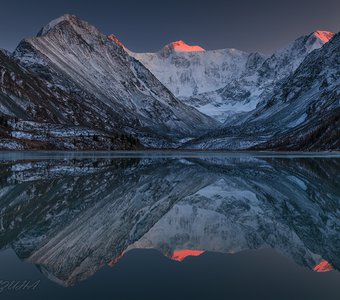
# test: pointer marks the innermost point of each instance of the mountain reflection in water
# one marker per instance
(71, 217)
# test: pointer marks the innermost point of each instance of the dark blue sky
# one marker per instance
(263, 25)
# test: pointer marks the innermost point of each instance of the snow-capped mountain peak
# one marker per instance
(190, 70)
(51, 25)
(313, 41)
(324, 36)
(70, 24)
(180, 46)
(287, 59)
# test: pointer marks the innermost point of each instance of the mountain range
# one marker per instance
(72, 87)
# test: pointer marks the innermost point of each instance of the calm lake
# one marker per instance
(169, 225)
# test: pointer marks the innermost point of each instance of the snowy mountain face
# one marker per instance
(302, 112)
(36, 115)
(222, 83)
(307, 106)
(190, 70)
(73, 217)
(285, 61)
(73, 55)
(194, 75)
(90, 206)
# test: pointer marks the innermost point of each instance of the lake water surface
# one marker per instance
(169, 225)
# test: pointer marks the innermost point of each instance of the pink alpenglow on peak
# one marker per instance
(114, 39)
(324, 36)
(181, 46)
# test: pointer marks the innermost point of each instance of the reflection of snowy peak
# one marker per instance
(72, 217)
(234, 214)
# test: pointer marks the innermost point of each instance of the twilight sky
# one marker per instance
(145, 25)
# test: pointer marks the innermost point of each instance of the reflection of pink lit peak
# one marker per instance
(324, 36)
(115, 260)
(180, 255)
(181, 46)
(324, 266)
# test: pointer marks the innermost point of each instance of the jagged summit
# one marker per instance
(315, 40)
(324, 36)
(181, 46)
(69, 22)
(308, 42)
(47, 28)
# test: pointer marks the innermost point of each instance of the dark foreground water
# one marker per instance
(169, 225)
